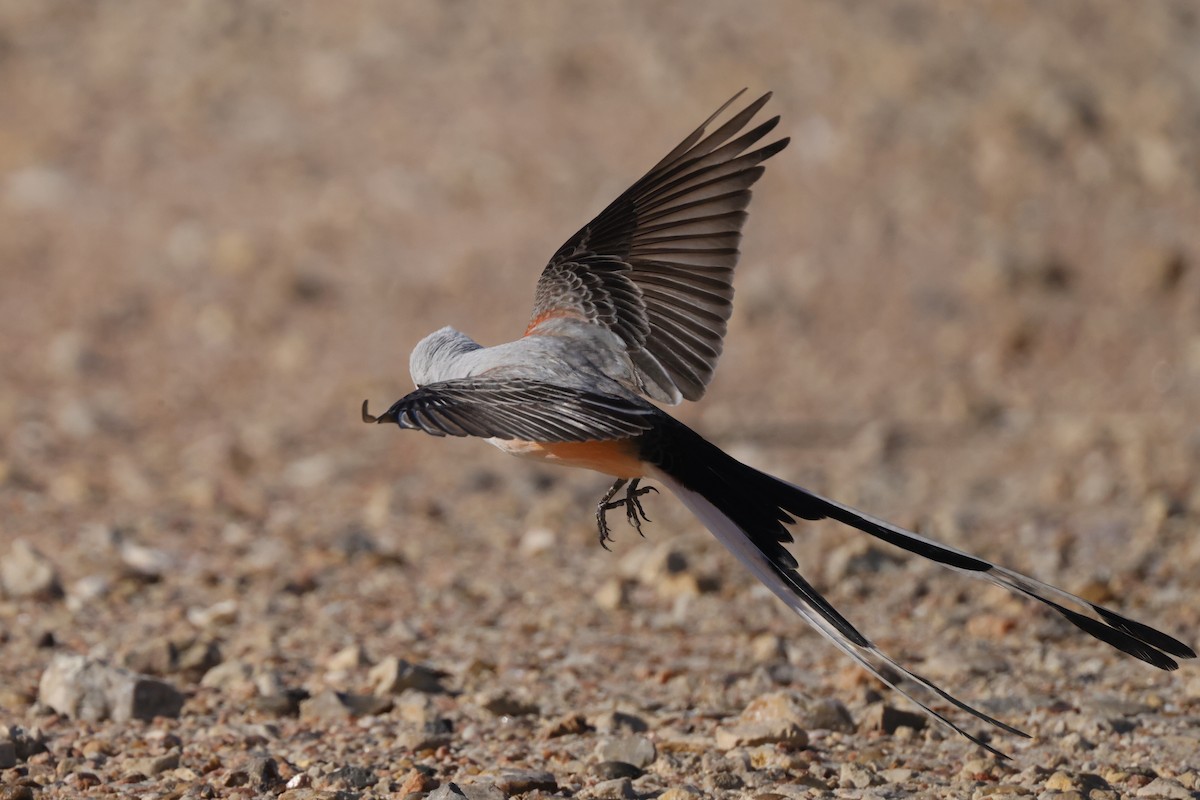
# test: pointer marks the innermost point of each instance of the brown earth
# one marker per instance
(969, 301)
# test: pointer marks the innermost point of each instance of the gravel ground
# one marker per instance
(969, 302)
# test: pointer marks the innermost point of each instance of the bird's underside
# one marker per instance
(634, 308)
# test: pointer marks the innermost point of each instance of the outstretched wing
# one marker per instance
(656, 266)
(517, 409)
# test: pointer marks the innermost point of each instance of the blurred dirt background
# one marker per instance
(969, 301)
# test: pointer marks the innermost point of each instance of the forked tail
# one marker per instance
(747, 511)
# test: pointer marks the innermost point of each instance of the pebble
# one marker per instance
(223, 612)
(192, 658)
(727, 781)
(264, 773)
(419, 741)
(856, 776)
(617, 721)
(505, 704)
(27, 742)
(25, 572)
(331, 705)
(681, 793)
(828, 714)
(612, 770)
(753, 734)
(636, 750)
(520, 781)
(470, 791)
(93, 690)
(147, 563)
(155, 765)
(886, 718)
(768, 719)
(615, 789)
(228, 675)
(352, 777)
(348, 659)
(1165, 788)
(415, 781)
(767, 648)
(571, 724)
(393, 675)
(613, 594)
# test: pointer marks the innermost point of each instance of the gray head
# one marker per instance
(434, 357)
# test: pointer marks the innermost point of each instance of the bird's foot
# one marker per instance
(634, 512)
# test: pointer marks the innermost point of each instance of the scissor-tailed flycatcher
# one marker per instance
(635, 305)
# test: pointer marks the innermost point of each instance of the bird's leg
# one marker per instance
(604, 505)
(633, 507)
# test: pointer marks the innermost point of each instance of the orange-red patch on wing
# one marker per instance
(552, 313)
(618, 457)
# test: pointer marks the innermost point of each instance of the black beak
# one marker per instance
(387, 416)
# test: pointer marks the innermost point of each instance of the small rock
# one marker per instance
(155, 765)
(416, 707)
(90, 689)
(1165, 788)
(161, 656)
(393, 675)
(612, 770)
(536, 540)
(636, 750)
(25, 572)
(571, 724)
(520, 781)
(896, 775)
(828, 714)
(754, 734)
(143, 562)
(616, 789)
(681, 793)
(856, 776)
(882, 717)
(353, 778)
(775, 707)
(348, 659)
(447, 791)
(264, 773)
(505, 704)
(26, 743)
(16, 793)
(469, 791)
(228, 675)
(482, 791)
(727, 781)
(613, 594)
(224, 612)
(619, 721)
(766, 648)
(194, 659)
(331, 705)
(415, 781)
(1060, 782)
(419, 741)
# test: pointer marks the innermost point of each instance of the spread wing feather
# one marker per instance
(656, 266)
(517, 409)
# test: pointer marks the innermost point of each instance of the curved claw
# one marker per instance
(367, 416)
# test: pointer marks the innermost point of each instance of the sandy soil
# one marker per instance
(969, 301)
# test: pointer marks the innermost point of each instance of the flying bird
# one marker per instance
(634, 308)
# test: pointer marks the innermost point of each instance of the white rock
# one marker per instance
(25, 572)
